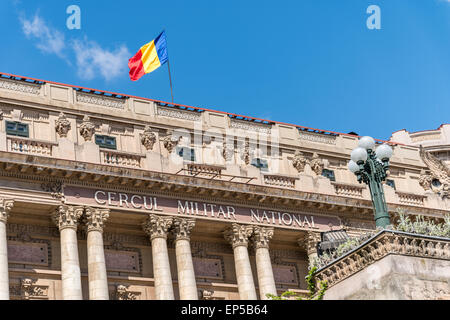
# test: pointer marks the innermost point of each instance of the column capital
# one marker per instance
(96, 218)
(309, 242)
(5, 207)
(262, 236)
(157, 226)
(182, 228)
(66, 216)
(238, 234)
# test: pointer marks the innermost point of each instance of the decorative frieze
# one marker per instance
(5, 207)
(383, 244)
(179, 114)
(62, 125)
(237, 235)
(317, 137)
(21, 86)
(148, 138)
(247, 126)
(123, 293)
(157, 226)
(182, 228)
(101, 100)
(411, 198)
(67, 216)
(95, 218)
(262, 236)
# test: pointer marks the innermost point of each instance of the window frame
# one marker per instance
(104, 144)
(16, 132)
(331, 177)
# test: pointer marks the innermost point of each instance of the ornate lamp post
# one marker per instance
(370, 166)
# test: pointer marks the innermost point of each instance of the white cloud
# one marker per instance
(49, 40)
(91, 59)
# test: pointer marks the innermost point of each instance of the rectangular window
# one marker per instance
(186, 153)
(390, 183)
(328, 174)
(16, 128)
(106, 141)
(259, 163)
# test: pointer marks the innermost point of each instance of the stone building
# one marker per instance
(111, 196)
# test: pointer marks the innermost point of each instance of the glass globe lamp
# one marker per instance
(367, 143)
(359, 155)
(352, 166)
(384, 152)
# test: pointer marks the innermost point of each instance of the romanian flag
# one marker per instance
(149, 57)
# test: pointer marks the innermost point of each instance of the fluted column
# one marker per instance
(5, 208)
(266, 280)
(66, 219)
(156, 227)
(238, 236)
(98, 281)
(309, 243)
(186, 277)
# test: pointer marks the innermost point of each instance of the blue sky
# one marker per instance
(307, 62)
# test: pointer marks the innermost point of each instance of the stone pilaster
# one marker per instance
(66, 219)
(5, 207)
(157, 227)
(238, 236)
(266, 280)
(186, 276)
(98, 282)
(309, 243)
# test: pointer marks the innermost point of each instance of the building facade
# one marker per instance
(109, 196)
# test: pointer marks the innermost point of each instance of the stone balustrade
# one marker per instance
(203, 169)
(24, 145)
(121, 159)
(411, 199)
(348, 190)
(384, 243)
(280, 181)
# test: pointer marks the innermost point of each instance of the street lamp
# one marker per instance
(370, 166)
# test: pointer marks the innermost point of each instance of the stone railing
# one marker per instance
(382, 244)
(203, 169)
(121, 159)
(280, 181)
(25, 145)
(348, 190)
(411, 198)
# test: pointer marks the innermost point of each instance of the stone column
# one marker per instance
(309, 242)
(186, 276)
(98, 281)
(66, 219)
(5, 208)
(266, 281)
(238, 236)
(156, 227)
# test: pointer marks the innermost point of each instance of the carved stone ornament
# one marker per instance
(206, 294)
(62, 125)
(67, 216)
(169, 141)
(262, 236)
(1, 114)
(157, 226)
(122, 293)
(237, 235)
(247, 153)
(5, 207)
(55, 188)
(30, 290)
(148, 138)
(227, 150)
(182, 228)
(316, 164)
(309, 242)
(96, 218)
(438, 171)
(299, 161)
(87, 129)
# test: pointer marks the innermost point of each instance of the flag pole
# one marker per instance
(170, 79)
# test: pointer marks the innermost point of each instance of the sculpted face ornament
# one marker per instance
(62, 125)
(438, 178)
(87, 129)
(148, 138)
